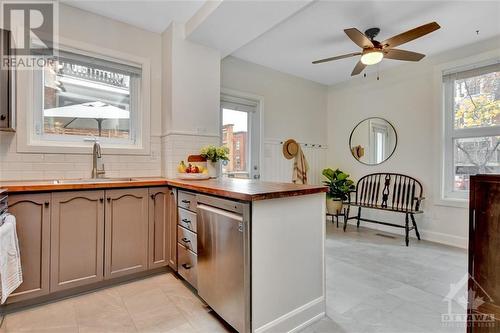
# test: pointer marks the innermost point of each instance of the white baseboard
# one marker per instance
(297, 319)
(431, 236)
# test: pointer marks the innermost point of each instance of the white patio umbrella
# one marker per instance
(92, 110)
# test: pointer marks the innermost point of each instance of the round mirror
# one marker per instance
(373, 141)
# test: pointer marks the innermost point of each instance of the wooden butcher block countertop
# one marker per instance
(246, 189)
(240, 189)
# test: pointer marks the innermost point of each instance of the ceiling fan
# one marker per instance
(373, 51)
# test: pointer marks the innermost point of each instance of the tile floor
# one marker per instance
(374, 284)
(161, 303)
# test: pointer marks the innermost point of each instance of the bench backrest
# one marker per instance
(389, 190)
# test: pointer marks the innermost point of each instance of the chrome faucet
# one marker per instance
(97, 164)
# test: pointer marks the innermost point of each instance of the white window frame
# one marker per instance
(450, 133)
(30, 105)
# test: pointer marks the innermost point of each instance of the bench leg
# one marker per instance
(346, 216)
(407, 230)
(415, 226)
(359, 216)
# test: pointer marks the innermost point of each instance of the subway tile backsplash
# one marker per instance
(27, 166)
(177, 147)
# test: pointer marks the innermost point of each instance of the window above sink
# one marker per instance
(80, 95)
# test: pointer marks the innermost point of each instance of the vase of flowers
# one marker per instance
(214, 155)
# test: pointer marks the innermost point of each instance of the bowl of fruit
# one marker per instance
(192, 171)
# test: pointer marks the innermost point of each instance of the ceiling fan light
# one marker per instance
(372, 58)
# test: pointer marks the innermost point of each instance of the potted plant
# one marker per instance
(339, 188)
(214, 155)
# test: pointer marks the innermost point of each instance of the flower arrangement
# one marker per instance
(214, 154)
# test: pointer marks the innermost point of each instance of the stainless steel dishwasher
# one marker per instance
(224, 259)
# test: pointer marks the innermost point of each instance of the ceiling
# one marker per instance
(155, 15)
(317, 32)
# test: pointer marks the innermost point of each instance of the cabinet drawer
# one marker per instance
(187, 219)
(187, 238)
(187, 268)
(187, 201)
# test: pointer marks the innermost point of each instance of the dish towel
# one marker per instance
(11, 275)
(300, 168)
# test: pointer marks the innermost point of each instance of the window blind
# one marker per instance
(471, 72)
(238, 104)
(106, 65)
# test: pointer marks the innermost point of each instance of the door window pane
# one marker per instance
(235, 137)
(477, 101)
(473, 156)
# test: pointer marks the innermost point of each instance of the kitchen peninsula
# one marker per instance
(253, 250)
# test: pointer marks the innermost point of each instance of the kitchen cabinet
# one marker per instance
(77, 239)
(186, 237)
(172, 222)
(126, 232)
(32, 212)
(159, 228)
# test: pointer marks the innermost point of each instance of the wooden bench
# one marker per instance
(390, 192)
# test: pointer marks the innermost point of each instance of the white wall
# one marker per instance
(191, 97)
(409, 97)
(82, 26)
(292, 108)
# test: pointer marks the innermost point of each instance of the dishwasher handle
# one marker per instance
(218, 211)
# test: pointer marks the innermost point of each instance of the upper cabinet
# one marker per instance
(32, 213)
(77, 239)
(126, 239)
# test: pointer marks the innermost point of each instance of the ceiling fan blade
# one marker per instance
(358, 68)
(336, 58)
(403, 55)
(359, 38)
(410, 35)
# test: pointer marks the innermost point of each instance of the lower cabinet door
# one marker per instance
(77, 239)
(159, 240)
(32, 212)
(126, 232)
(172, 225)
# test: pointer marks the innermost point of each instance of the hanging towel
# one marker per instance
(300, 167)
(11, 275)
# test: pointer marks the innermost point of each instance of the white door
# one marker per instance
(240, 127)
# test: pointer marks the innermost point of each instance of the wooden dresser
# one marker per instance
(484, 254)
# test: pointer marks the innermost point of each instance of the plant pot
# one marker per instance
(333, 206)
(213, 169)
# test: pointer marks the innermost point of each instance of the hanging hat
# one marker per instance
(290, 149)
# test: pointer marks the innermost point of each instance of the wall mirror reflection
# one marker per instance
(373, 141)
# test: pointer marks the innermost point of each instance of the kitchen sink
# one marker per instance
(92, 180)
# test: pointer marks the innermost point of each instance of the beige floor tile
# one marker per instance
(54, 316)
(159, 320)
(199, 315)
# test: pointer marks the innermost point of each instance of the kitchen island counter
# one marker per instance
(246, 189)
